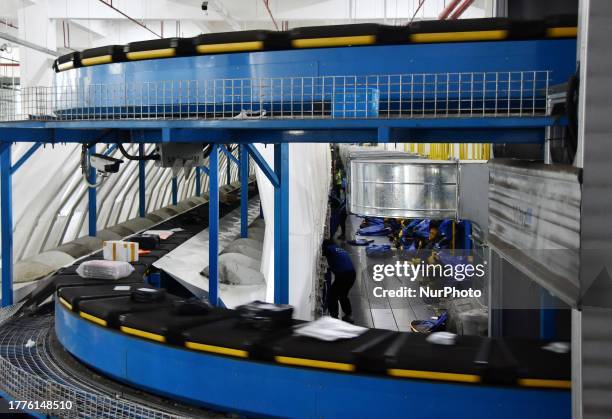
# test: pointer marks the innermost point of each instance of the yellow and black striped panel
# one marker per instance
(562, 32)
(143, 334)
(464, 36)
(229, 47)
(314, 363)
(93, 319)
(331, 41)
(151, 54)
(334, 36)
(434, 375)
(65, 303)
(102, 59)
(102, 55)
(461, 30)
(239, 353)
(545, 383)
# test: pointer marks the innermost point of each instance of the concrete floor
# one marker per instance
(378, 312)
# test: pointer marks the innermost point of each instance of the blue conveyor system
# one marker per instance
(466, 81)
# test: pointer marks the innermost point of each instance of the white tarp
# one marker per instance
(309, 179)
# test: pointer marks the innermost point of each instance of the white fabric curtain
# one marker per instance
(309, 179)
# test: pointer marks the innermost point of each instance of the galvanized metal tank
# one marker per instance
(405, 187)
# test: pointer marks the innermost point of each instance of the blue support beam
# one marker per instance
(198, 181)
(548, 316)
(6, 202)
(213, 227)
(281, 224)
(230, 155)
(142, 203)
(261, 162)
(110, 150)
(25, 157)
(230, 158)
(174, 190)
(244, 191)
(92, 206)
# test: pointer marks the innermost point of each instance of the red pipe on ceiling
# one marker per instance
(448, 9)
(129, 17)
(265, 2)
(461, 8)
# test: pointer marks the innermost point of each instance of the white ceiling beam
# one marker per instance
(22, 42)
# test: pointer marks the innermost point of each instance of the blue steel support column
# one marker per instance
(548, 316)
(228, 170)
(198, 181)
(174, 190)
(281, 224)
(6, 196)
(142, 207)
(244, 191)
(92, 208)
(213, 225)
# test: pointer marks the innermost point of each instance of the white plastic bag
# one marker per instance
(237, 269)
(104, 269)
(329, 329)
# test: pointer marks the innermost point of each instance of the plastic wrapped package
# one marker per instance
(329, 329)
(257, 234)
(238, 269)
(104, 269)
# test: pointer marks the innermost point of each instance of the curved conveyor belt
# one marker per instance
(35, 367)
(464, 30)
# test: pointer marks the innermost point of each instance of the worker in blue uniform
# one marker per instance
(341, 265)
(338, 213)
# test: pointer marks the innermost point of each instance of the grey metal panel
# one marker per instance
(592, 373)
(534, 222)
(473, 199)
(403, 187)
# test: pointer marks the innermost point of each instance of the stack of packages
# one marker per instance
(116, 264)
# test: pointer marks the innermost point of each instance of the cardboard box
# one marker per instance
(120, 250)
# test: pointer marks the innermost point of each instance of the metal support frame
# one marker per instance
(198, 181)
(6, 202)
(142, 203)
(213, 226)
(25, 157)
(279, 177)
(91, 193)
(281, 224)
(174, 190)
(244, 191)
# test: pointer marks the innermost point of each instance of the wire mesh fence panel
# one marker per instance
(469, 94)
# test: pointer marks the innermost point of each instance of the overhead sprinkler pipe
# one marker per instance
(129, 17)
(266, 4)
(448, 9)
(460, 9)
